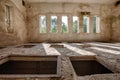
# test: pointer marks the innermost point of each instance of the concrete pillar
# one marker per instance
(59, 22)
(70, 24)
(91, 23)
(48, 24)
(81, 27)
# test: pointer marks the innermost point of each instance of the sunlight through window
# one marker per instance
(96, 24)
(64, 24)
(42, 24)
(54, 24)
(75, 24)
(86, 24)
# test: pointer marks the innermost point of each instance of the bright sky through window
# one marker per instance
(75, 24)
(64, 24)
(42, 24)
(54, 24)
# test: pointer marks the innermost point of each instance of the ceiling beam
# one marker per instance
(73, 1)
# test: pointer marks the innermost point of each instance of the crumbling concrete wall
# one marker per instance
(115, 17)
(16, 32)
(69, 9)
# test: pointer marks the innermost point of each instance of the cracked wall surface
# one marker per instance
(16, 32)
(25, 22)
(116, 23)
(69, 9)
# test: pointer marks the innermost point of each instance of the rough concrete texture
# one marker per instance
(24, 29)
(16, 32)
(116, 23)
(73, 1)
(106, 54)
(68, 9)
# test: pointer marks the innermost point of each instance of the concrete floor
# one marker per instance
(107, 53)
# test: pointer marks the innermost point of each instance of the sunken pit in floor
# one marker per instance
(43, 66)
(25, 46)
(86, 66)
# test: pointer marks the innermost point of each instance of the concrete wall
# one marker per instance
(69, 9)
(16, 32)
(115, 23)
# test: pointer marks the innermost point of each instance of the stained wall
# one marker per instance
(115, 19)
(68, 9)
(16, 32)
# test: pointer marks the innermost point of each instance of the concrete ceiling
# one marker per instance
(73, 1)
